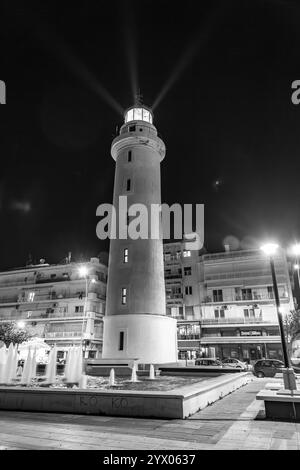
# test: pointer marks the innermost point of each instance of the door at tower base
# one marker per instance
(151, 339)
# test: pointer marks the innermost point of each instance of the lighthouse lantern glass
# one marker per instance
(138, 114)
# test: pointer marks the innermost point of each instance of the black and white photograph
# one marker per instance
(150, 229)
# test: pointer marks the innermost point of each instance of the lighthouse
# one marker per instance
(136, 325)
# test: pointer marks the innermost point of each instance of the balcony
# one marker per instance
(188, 337)
(42, 315)
(63, 334)
(235, 321)
(239, 339)
(244, 298)
(173, 276)
(174, 296)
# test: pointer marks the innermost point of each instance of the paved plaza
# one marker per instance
(235, 422)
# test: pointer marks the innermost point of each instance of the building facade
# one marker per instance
(224, 302)
(50, 302)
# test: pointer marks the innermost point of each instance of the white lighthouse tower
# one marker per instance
(135, 324)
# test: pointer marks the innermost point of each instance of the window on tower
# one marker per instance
(129, 156)
(128, 185)
(124, 295)
(132, 128)
(121, 341)
(125, 256)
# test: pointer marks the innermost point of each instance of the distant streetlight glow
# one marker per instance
(296, 267)
(21, 324)
(269, 248)
(83, 271)
(296, 249)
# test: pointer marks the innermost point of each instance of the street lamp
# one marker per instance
(21, 324)
(270, 249)
(295, 250)
(83, 272)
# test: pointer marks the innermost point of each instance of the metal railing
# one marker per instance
(62, 334)
(211, 321)
(242, 298)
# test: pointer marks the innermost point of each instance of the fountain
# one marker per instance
(3, 354)
(33, 365)
(9, 370)
(151, 372)
(73, 369)
(133, 374)
(111, 380)
(27, 370)
(51, 367)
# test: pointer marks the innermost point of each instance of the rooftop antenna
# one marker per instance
(139, 98)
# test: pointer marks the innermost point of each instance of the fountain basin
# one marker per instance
(178, 403)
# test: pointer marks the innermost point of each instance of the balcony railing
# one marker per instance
(173, 276)
(43, 315)
(243, 320)
(243, 298)
(174, 296)
(46, 297)
(188, 337)
(63, 334)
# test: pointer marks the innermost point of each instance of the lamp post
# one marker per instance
(270, 250)
(84, 272)
(295, 250)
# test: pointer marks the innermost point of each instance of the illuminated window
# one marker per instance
(126, 255)
(186, 253)
(146, 115)
(31, 296)
(129, 116)
(138, 114)
(124, 295)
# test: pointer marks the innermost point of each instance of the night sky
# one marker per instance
(220, 77)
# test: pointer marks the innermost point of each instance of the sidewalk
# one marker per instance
(235, 422)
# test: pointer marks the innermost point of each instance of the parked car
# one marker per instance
(208, 362)
(235, 363)
(267, 367)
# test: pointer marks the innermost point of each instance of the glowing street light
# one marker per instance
(270, 249)
(296, 249)
(21, 324)
(83, 271)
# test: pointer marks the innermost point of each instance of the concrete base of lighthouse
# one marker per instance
(150, 339)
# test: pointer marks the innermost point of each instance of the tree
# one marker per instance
(10, 333)
(292, 326)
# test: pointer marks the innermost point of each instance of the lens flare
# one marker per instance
(56, 44)
(190, 53)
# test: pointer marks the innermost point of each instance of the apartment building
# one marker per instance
(50, 302)
(227, 307)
